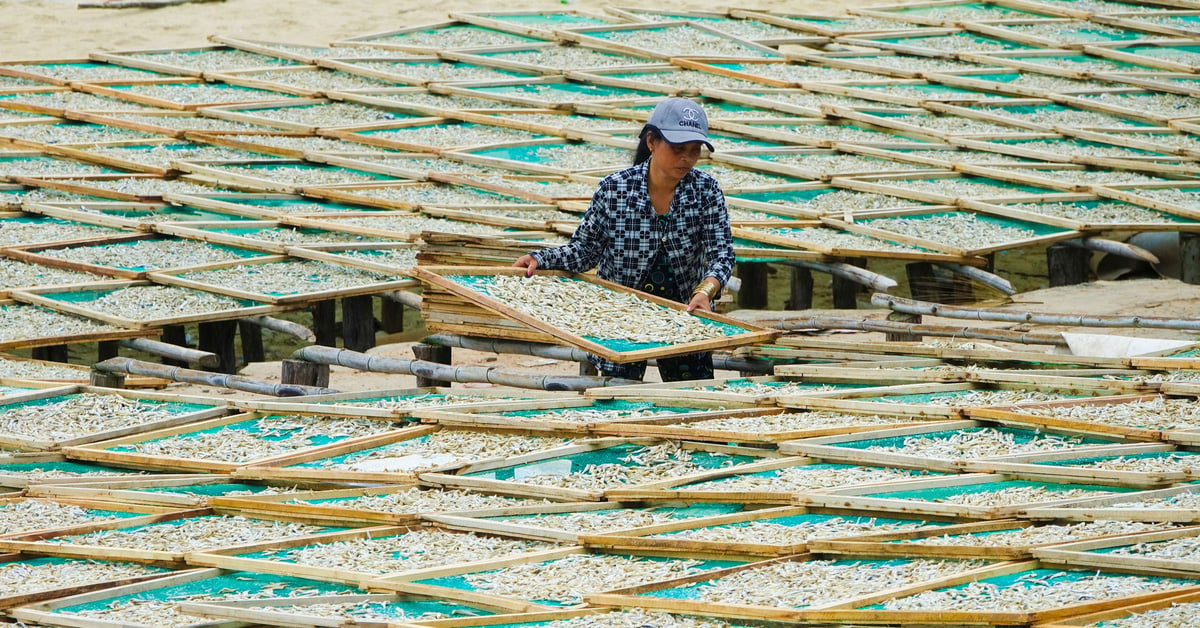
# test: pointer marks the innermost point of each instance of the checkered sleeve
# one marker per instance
(717, 237)
(589, 241)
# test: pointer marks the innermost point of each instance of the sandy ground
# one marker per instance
(56, 29)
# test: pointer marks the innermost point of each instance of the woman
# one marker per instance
(659, 226)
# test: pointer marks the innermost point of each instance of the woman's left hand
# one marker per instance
(699, 302)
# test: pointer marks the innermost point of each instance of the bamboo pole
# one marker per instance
(284, 327)
(721, 361)
(461, 374)
(874, 281)
(909, 306)
(863, 324)
(130, 366)
(175, 352)
(1112, 247)
(403, 297)
(980, 275)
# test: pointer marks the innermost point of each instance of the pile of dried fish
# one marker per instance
(320, 80)
(22, 322)
(147, 303)
(1110, 212)
(978, 443)
(1178, 615)
(807, 478)
(821, 237)
(962, 229)
(1183, 548)
(199, 533)
(1182, 501)
(598, 415)
(581, 156)
(792, 533)
(146, 254)
(416, 500)
(417, 549)
(452, 37)
(731, 178)
(567, 580)
(28, 369)
(636, 618)
(32, 514)
(975, 398)
(454, 135)
(1160, 413)
(266, 437)
(21, 578)
(678, 41)
(793, 421)
(1040, 535)
(290, 277)
(587, 309)
(79, 415)
(1169, 105)
(797, 584)
(366, 611)
(72, 133)
(443, 448)
(1173, 463)
(402, 260)
(301, 175)
(209, 60)
(414, 223)
(589, 521)
(18, 274)
(1016, 495)
(1032, 591)
(165, 613)
(329, 115)
(648, 464)
(773, 390)
(844, 164)
(26, 231)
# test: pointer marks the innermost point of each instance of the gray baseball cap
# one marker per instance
(681, 120)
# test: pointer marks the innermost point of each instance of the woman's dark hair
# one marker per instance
(642, 152)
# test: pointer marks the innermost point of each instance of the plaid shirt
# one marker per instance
(621, 234)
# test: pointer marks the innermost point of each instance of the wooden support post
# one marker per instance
(845, 291)
(358, 323)
(176, 335)
(431, 353)
(218, 337)
(800, 289)
(252, 342)
(107, 380)
(106, 349)
(753, 294)
(1068, 265)
(324, 315)
(52, 353)
(304, 373)
(928, 282)
(391, 315)
(1189, 257)
(901, 317)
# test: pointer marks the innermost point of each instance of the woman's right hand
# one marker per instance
(528, 262)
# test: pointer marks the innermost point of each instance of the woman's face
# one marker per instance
(673, 160)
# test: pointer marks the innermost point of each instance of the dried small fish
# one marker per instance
(792, 533)
(143, 303)
(567, 580)
(797, 584)
(1040, 535)
(1033, 591)
(970, 444)
(199, 533)
(405, 552)
(79, 415)
(587, 309)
